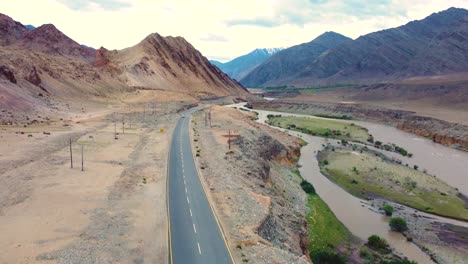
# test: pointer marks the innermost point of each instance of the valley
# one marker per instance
(335, 149)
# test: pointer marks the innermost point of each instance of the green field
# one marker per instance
(322, 127)
(364, 175)
(326, 232)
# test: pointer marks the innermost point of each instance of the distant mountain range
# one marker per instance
(41, 64)
(241, 66)
(290, 61)
(436, 45)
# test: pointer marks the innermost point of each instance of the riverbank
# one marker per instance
(444, 132)
(367, 175)
(351, 210)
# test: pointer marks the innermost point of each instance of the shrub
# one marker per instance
(416, 167)
(378, 143)
(364, 252)
(325, 162)
(398, 224)
(379, 244)
(324, 257)
(307, 187)
(388, 209)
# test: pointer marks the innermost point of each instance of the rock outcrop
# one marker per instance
(7, 73)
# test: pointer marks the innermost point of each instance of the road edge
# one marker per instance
(203, 183)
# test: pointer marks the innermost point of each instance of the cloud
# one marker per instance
(260, 22)
(213, 37)
(111, 5)
(220, 29)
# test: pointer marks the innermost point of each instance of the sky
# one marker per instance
(223, 29)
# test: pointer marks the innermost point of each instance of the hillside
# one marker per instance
(436, 45)
(42, 66)
(277, 70)
(239, 67)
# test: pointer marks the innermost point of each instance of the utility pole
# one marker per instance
(71, 154)
(229, 139)
(82, 159)
(209, 116)
(123, 124)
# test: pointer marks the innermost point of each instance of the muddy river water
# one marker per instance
(448, 164)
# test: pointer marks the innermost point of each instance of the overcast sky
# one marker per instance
(222, 29)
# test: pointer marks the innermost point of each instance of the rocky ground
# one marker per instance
(445, 243)
(440, 131)
(257, 197)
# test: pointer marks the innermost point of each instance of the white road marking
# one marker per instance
(190, 211)
(199, 250)
(186, 189)
(188, 201)
(194, 229)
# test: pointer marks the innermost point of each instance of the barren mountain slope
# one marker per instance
(281, 66)
(41, 67)
(432, 46)
(171, 63)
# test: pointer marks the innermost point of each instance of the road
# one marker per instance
(194, 233)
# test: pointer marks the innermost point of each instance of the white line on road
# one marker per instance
(185, 189)
(199, 250)
(194, 229)
(190, 211)
(188, 200)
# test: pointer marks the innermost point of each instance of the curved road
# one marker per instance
(194, 233)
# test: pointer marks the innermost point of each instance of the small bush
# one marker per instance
(398, 224)
(379, 244)
(388, 209)
(324, 257)
(307, 187)
(325, 162)
(364, 252)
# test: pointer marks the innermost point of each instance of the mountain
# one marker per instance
(10, 30)
(48, 39)
(243, 65)
(41, 66)
(436, 45)
(173, 62)
(277, 69)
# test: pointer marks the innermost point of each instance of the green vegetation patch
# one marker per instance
(364, 174)
(322, 127)
(326, 232)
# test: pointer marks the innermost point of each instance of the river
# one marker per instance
(354, 213)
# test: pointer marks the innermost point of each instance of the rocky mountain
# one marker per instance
(239, 67)
(48, 39)
(41, 65)
(436, 45)
(276, 70)
(173, 62)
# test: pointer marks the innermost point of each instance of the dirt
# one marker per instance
(114, 210)
(257, 197)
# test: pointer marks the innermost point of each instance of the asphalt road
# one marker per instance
(194, 236)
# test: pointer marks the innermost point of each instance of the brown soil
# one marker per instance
(257, 197)
(114, 210)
